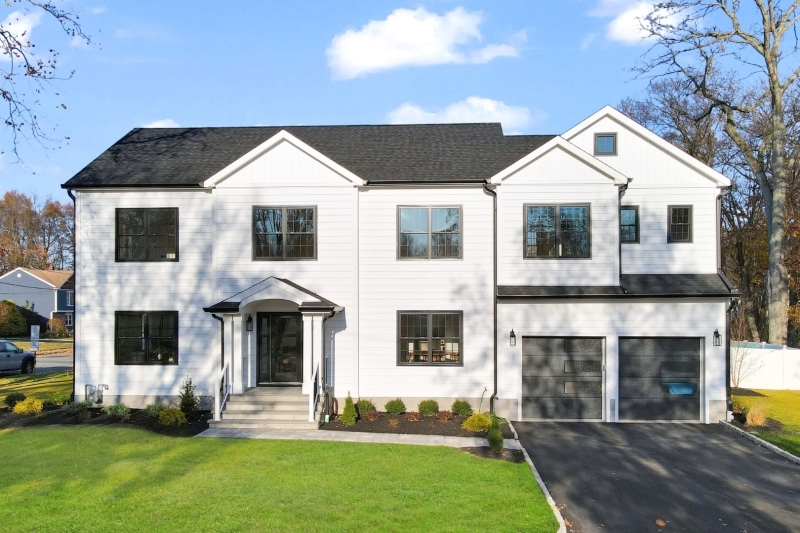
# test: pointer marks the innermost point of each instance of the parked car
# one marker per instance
(15, 358)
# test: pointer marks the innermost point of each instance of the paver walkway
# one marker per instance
(352, 436)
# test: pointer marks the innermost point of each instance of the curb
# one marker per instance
(562, 527)
(761, 442)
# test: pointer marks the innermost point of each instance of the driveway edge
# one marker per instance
(562, 527)
(761, 442)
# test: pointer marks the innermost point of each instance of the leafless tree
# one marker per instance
(745, 363)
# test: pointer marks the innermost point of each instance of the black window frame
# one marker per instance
(146, 210)
(147, 338)
(284, 232)
(637, 226)
(557, 208)
(690, 224)
(607, 134)
(430, 233)
(430, 362)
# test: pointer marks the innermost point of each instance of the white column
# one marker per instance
(308, 351)
(236, 354)
(319, 347)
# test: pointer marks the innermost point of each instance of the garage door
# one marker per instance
(562, 377)
(659, 379)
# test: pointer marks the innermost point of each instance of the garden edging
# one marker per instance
(761, 442)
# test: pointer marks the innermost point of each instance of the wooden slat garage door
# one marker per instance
(659, 379)
(562, 377)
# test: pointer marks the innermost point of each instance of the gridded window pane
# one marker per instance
(413, 232)
(629, 224)
(429, 232)
(162, 236)
(540, 231)
(680, 224)
(147, 338)
(268, 228)
(433, 338)
(300, 233)
(131, 237)
(446, 337)
(414, 344)
(446, 232)
(147, 234)
(606, 144)
(557, 231)
(284, 233)
(574, 233)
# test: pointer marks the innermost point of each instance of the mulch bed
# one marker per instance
(397, 424)
(55, 416)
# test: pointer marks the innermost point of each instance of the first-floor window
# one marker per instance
(146, 337)
(432, 337)
(68, 319)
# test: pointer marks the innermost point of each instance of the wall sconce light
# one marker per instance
(717, 338)
(512, 338)
(248, 325)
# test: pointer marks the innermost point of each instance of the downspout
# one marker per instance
(325, 391)
(75, 293)
(733, 302)
(622, 189)
(487, 190)
(221, 340)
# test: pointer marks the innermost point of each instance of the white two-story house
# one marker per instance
(570, 277)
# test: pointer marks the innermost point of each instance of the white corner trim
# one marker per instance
(269, 144)
(560, 142)
(719, 179)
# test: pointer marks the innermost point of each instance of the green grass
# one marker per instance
(119, 479)
(40, 386)
(780, 405)
(45, 346)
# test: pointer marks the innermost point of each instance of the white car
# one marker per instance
(14, 358)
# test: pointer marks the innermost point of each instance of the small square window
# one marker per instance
(605, 144)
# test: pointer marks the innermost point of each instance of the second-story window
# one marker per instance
(680, 223)
(557, 231)
(284, 233)
(429, 233)
(70, 297)
(147, 234)
(629, 223)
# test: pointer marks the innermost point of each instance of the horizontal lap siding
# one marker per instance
(389, 285)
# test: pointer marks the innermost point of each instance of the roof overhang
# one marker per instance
(273, 288)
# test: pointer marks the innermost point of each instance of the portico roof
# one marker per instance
(273, 288)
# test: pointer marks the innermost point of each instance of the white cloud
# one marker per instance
(163, 123)
(416, 37)
(20, 26)
(628, 16)
(99, 10)
(473, 109)
(588, 40)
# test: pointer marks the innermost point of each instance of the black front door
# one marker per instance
(280, 348)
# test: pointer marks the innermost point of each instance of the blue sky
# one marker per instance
(537, 66)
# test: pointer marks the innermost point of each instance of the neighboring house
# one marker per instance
(49, 293)
(366, 255)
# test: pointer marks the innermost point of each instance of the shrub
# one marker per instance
(371, 416)
(12, 323)
(476, 422)
(189, 400)
(30, 406)
(154, 409)
(495, 436)
(395, 407)
(60, 398)
(428, 407)
(119, 410)
(444, 416)
(413, 416)
(349, 414)
(77, 408)
(461, 408)
(364, 406)
(171, 417)
(57, 327)
(13, 399)
(756, 417)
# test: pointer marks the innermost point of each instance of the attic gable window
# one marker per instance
(147, 234)
(284, 233)
(605, 144)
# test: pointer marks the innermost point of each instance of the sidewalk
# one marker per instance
(350, 436)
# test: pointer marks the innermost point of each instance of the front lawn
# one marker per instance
(119, 479)
(47, 347)
(41, 386)
(780, 405)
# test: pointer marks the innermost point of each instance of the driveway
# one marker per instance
(624, 477)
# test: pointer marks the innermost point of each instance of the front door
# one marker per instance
(280, 348)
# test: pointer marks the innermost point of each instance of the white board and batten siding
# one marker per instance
(106, 286)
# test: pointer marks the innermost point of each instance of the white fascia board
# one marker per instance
(266, 146)
(718, 178)
(21, 269)
(270, 289)
(560, 142)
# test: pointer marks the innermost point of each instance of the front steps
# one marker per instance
(267, 408)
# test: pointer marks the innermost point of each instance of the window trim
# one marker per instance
(118, 259)
(70, 298)
(558, 230)
(606, 134)
(429, 362)
(670, 240)
(69, 322)
(283, 232)
(638, 224)
(117, 362)
(430, 208)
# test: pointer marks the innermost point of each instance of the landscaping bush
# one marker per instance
(428, 407)
(189, 401)
(444, 416)
(461, 408)
(119, 410)
(413, 416)
(13, 399)
(476, 422)
(371, 416)
(364, 406)
(154, 409)
(395, 407)
(12, 323)
(349, 414)
(495, 436)
(172, 417)
(77, 408)
(756, 417)
(57, 329)
(30, 406)
(60, 398)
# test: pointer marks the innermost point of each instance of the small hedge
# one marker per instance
(120, 410)
(461, 408)
(13, 399)
(364, 406)
(60, 398)
(395, 407)
(477, 422)
(495, 436)
(30, 406)
(154, 409)
(349, 414)
(77, 408)
(172, 417)
(428, 407)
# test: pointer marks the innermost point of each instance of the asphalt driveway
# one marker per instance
(625, 477)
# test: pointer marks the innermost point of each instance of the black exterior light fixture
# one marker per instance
(717, 338)
(248, 325)
(512, 338)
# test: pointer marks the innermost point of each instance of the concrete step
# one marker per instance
(236, 414)
(269, 398)
(263, 424)
(249, 405)
(274, 391)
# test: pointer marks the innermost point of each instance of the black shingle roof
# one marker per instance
(184, 157)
